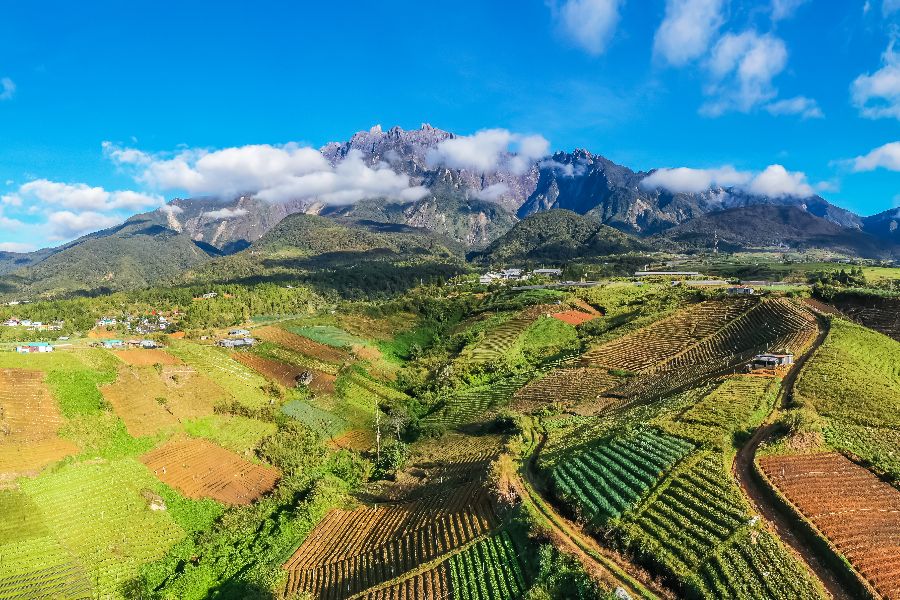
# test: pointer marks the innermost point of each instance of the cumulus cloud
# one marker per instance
(807, 108)
(79, 196)
(15, 246)
(884, 157)
(784, 9)
(7, 88)
(877, 95)
(66, 224)
(742, 67)
(273, 173)
(225, 213)
(775, 181)
(492, 192)
(171, 209)
(589, 24)
(687, 30)
(686, 180)
(490, 150)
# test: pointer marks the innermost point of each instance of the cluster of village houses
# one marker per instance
(239, 338)
(34, 325)
(149, 324)
(516, 275)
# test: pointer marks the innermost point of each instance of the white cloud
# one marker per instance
(589, 24)
(775, 181)
(7, 88)
(492, 192)
(784, 9)
(889, 6)
(225, 213)
(807, 108)
(687, 29)
(742, 67)
(79, 196)
(15, 246)
(66, 224)
(877, 95)
(171, 209)
(490, 150)
(274, 173)
(686, 180)
(884, 157)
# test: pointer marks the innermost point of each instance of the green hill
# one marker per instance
(558, 235)
(132, 255)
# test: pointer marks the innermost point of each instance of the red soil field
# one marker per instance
(29, 422)
(849, 505)
(574, 317)
(300, 344)
(146, 357)
(200, 469)
(284, 373)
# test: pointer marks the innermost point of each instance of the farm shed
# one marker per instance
(34, 347)
(770, 361)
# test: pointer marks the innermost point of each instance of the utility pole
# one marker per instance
(377, 433)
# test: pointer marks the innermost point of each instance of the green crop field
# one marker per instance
(489, 569)
(237, 433)
(329, 335)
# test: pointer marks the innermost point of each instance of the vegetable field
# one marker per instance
(284, 373)
(853, 509)
(200, 469)
(301, 344)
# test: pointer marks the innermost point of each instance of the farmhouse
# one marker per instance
(239, 332)
(34, 347)
(741, 290)
(236, 343)
(11, 323)
(771, 361)
(547, 272)
(110, 344)
(107, 322)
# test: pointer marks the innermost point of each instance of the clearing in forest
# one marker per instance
(301, 344)
(29, 422)
(286, 374)
(857, 512)
(148, 401)
(146, 357)
(200, 469)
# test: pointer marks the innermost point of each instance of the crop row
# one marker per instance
(606, 480)
(659, 341)
(569, 385)
(488, 570)
(497, 342)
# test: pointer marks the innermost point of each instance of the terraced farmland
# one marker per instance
(570, 386)
(664, 339)
(770, 325)
(200, 469)
(497, 342)
(880, 314)
(301, 344)
(351, 551)
(284, 373)
(464, 406)
(858, 513)
(242, 383)
(29, 422)
(105, 530)
(605, 480)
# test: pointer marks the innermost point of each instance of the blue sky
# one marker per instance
(707, 84)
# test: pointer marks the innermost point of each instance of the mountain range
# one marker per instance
(466, 210)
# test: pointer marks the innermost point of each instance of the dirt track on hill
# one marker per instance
(783, 522)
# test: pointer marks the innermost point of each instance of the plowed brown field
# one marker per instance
(574, 317)
(140, 357)
(350, 551)
(29, 422)
(200, 469)
(300, 344)
(856, 511)
(148, 401)
(284, 373)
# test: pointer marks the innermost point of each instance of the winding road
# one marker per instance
(786, 525)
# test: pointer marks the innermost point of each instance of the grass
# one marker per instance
(329, 335)
(242, 383)
(234, 432)
(548, 336)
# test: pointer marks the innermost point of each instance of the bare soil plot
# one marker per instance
(140, 357)
(300, 344)
(284, 373)
(148, 401)
(574, 317)
(101, 333)
(200, 469)
(856, 511)
(29, 422)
